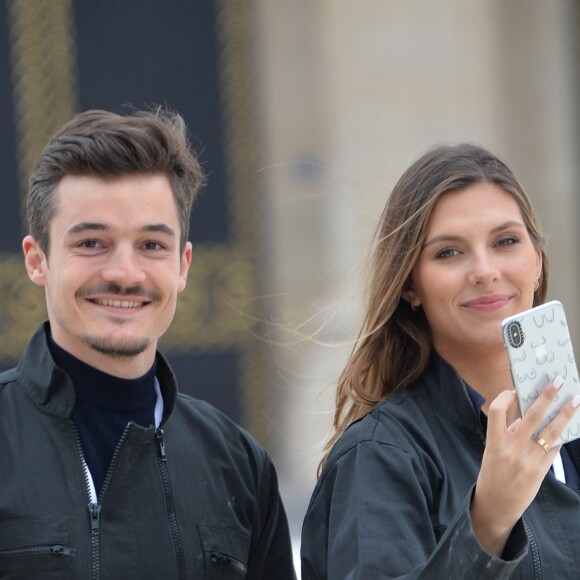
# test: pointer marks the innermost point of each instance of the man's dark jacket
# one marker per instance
(195, 498)
(393, 498)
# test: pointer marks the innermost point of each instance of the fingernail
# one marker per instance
(576, 401)
(558, 381)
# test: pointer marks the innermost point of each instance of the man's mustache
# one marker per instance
(117, 290)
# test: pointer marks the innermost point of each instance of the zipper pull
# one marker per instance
(95, 511)
(62, 551)
(225, 560)
(159, 437)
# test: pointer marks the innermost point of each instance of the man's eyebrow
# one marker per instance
(86, 226)
(159, 228)
(97, 226)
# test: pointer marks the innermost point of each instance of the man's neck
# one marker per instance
(121, 367)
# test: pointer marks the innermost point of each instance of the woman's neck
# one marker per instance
(485, 370)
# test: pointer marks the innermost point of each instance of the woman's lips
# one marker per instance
(487, 303)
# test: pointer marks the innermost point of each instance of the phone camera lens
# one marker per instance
(515, 334)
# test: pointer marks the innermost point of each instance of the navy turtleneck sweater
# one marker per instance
(104, 405)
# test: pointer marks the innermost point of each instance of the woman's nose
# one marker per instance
(483, 268)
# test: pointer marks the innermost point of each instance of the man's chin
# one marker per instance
(119, 349)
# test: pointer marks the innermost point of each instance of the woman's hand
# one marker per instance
(514, 465)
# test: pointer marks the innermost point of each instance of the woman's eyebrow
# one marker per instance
(453, 238)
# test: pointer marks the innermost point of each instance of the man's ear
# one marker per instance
(184, 264)
(35, 261)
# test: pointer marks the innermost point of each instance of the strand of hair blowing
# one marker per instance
(392, 348)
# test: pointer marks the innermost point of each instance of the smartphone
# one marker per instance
(539, 347)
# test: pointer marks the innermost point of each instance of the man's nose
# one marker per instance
(124, 268)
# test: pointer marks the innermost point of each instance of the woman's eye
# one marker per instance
(447, 253)
(508, 241)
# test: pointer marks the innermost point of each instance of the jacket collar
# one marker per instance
(51, 389)
(448, 393)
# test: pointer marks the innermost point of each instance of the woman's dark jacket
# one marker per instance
(393, 498)
(195, 498)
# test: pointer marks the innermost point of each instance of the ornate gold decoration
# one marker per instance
(233, 20)
(213, 312)
(21, 308)
(43, 71)
(42, 57)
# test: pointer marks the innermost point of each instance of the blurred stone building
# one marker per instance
(348, 94)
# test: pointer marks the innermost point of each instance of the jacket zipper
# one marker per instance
(169, 501)
(95, 506)
(534, 551)
(95, 514)
(94, 510)
(225, 560)
(56, 550)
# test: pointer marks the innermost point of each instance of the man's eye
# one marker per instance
(153, 246)
(90, 244)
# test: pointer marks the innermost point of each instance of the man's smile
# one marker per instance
(119, 303)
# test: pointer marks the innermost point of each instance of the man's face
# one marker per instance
(113, 269)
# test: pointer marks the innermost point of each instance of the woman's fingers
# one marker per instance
(536, 413)
(554, 429)
(514, 426)
(524, 428)
(498, 413)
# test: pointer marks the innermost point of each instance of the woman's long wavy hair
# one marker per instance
(394, 343)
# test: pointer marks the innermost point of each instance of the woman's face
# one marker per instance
(478, 265)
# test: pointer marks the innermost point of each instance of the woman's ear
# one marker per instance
(410, 296)
(539, 264)
(34, 260)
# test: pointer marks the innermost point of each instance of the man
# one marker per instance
(106, 471)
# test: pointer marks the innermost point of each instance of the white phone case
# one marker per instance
(539, 348)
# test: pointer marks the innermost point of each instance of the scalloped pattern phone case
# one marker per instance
(539, 348)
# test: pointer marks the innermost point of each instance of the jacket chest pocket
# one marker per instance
(35, 548)
(225, 553)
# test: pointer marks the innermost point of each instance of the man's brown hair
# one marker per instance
(111, 146)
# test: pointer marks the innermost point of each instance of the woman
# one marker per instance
(430, 470)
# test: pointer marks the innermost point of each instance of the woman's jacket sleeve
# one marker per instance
(373, 515)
